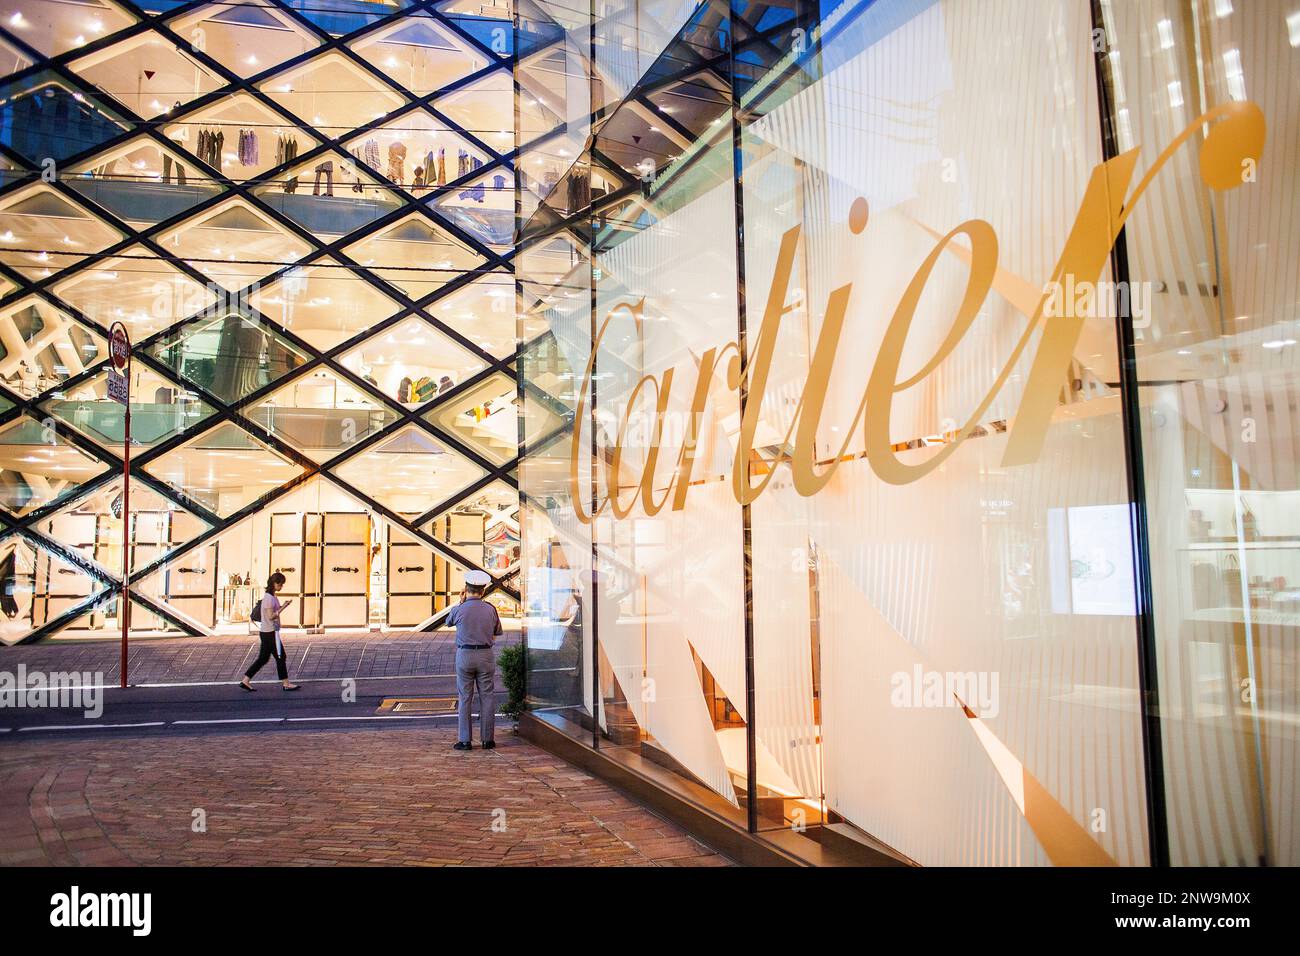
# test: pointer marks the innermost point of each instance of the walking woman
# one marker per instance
(268, 620)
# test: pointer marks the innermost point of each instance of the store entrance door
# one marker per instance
(325, 558)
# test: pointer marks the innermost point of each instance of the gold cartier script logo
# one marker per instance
(1233, 144)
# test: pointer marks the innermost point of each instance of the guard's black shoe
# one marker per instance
(463, 745)
(489, 745)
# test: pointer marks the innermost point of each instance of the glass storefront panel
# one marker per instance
(247, 40)
(325, 303)
(412, 362)
(42, 232)
(234, 245)
(193, 211)
(997, 517)
(419, 53)
(241, 137)
(321, 415)
(409, 472)
(160, 409)
(415, 256)
(223, 470)
(41, 347)
(38, 466)
(1211, 266)
(57, 26)
(137, 288)
(38, 587)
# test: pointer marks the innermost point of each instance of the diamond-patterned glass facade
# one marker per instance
(303, 213)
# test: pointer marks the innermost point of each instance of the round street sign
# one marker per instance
(119, 346)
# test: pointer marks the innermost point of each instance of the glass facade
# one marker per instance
(880, 415)
(303, 213)
(910, 400)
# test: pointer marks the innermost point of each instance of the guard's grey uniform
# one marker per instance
(477, 625)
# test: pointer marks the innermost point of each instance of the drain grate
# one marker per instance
(418, 705)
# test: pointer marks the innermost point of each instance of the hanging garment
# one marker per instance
(418, 185)
(325, 169)
(397, 163)
(442, 166)
(286, 152)
(167, 170)
(371, 151)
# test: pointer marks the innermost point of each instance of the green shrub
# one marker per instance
(511, 666)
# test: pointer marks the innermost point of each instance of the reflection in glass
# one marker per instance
(231, 356)
(38, 466)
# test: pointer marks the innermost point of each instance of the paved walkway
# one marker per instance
(349, 797)
(196, 659)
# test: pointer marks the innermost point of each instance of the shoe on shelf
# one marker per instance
(489, 745)
(463, 745)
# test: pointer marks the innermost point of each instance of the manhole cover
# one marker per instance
(418, 705)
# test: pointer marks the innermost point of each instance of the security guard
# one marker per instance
(477, 626)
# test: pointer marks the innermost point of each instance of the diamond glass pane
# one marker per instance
(415, 256)
(147, 75)
(412, 362)
(488, 21)
(93, 525)
(417, 140)
(138, 289)
(42, 232)
(485, 108)
(234, 245)
(484, 417)
(341, 17)
(419, 53)
(39, 467)
(247, 39)
(322, 415)
(329, 196)
(409, 472)
(230, 356)
(187, 585)
(484, 527)
(159, 409)
(484, 208)
(484, 312)
(42, 347)
(43, 116)
(57, 26)
(142, 182)
(37, 587)
(332, 93)
(325, 303)
(241, 137)
(223, 469)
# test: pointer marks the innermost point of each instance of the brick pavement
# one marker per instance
(349, 797)
(193, 659)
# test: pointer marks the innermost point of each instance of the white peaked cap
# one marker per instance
(477, 579)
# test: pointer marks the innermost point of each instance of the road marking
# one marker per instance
(301, 680)
(85, 726)
(233, 720)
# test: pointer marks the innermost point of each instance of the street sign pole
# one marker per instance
(120, 351)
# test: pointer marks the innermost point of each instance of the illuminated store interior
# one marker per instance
(880, 417)
(303, 214)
